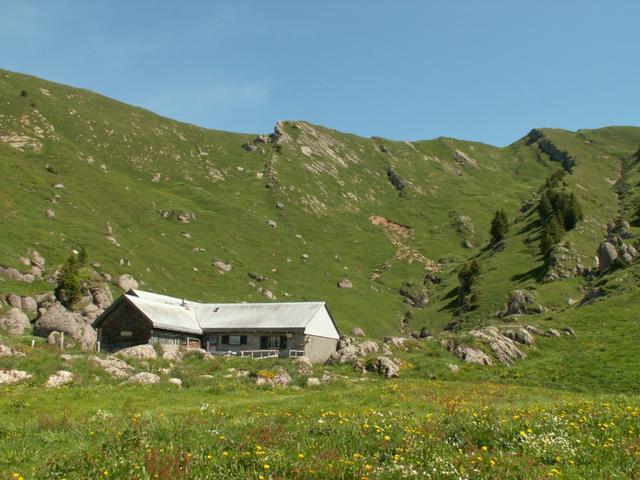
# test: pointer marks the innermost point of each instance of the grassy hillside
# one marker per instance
(378, 212)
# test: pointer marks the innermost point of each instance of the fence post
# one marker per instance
(98, 346)
(61, 340)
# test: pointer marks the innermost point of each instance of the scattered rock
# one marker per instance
(357, 332)
(552, 332)
(569, 331)
(223, 267)
(345, 283)
(60, 378)
(453, 367)
(256, 276)
(304, 366)
(368, 347)
(395, 341)
(468, 354)
(14, 322)
(113, 366)
(29, 304)
(272, 224)
(14, 301)
(535, 330)
(13, 376)
(175, 381)
(502, 347)
(126, 282)
(385, 366)
(424, 333)
(313, 381)
(50, 213)
(273, 378)
(141, 352)
(416, 296)
(6, 351)
(144, 378)
(54, 338)
(184, 217)
(521, 335)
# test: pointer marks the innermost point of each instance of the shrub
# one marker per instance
(68, 287)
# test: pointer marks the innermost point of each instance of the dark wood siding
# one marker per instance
(124, 318)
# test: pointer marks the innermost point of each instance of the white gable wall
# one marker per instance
(321, 325)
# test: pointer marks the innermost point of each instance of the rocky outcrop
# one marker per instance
(113, 366)
(384, 366)
(14, 322)
(395, 341)
(468, 354)
(521, 302)
(7, 351)
(607, 256)
(144, 378)
(140, 352)
(102, 296)
(505, 349)
(273, 378)
(60, 378)
(538, 138)
(520, 335)
(414, 295)
(13, 376)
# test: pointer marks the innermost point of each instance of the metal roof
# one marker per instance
(172, 313)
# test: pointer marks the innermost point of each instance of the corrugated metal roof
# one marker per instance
(167, 316)
(175, 314)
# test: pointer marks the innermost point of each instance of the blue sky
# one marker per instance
(485, 70)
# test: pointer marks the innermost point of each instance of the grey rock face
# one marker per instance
(607, 255)
(14, 322)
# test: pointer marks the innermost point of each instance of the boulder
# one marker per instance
(126, 282)
(272, 223)
(36, 259)
(60, 378)
(534, 330)
(91, 312)
(520, 335)
(313, 381)
(113, 366)
(175, 381)
(224, 267)
(50, 213)
(14, 301)
(29, 305)
(395, 341)
(453, 367)
(56, 318)
(519, 302)
(273, 378)
(552, 332)
(304, 366)
(101, 296)
(46, 299)
(385, 366)
(141, 352)
(144, 378)
(14, 322)
(13, 376)
(607, 255)
(569, 331)
(344, 355)
(184, 217)
(345, 283)
(368, 347)
(357, 332)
